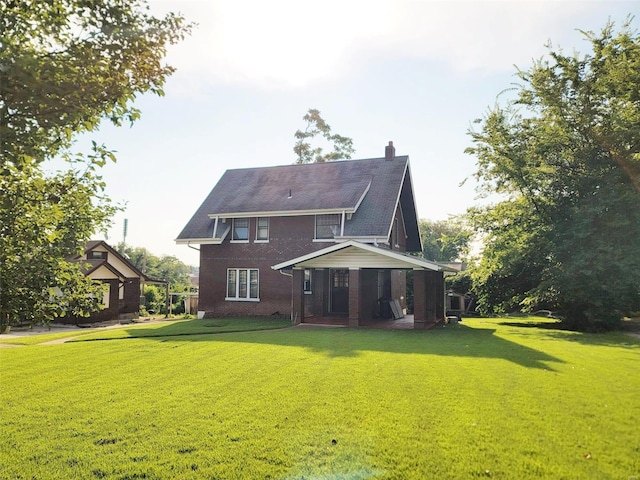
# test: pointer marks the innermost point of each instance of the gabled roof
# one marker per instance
(367, 190)
(360, 255)
(95, 264)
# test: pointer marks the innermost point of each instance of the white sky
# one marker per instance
(414, 72)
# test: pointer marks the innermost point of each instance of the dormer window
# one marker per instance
(328, 226)
(240, 230)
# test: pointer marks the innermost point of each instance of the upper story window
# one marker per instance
(262, 229)
(95, 254)
(240, 229)
(328, 226)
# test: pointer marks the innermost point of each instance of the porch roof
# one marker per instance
(353, 254)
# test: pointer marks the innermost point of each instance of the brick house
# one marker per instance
(122, 298)
(314, 240)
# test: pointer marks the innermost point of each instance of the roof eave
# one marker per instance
(412, 262)
(282, 213)
(199, 241)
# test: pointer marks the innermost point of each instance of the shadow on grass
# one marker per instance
(456, 341)
(556, 331)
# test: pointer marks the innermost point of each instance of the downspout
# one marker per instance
(342, 224)
(189, 245)
(292, 316)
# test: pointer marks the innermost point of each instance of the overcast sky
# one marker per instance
(417, 73)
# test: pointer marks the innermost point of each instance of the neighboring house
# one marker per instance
(122, 298)
(324, 240)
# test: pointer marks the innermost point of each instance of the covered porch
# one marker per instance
(347, 283)
(404, 323)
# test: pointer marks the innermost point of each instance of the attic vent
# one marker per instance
(389, 152)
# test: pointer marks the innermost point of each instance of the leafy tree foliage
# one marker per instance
(64, 66)
(67, 64)
(444, 241)
(565, 155)
(42, 219)
(165, 267)
(306, 153)
(155, 299)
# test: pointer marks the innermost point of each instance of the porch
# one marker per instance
(354, 277)
(405, 323)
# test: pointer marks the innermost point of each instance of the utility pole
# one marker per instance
(124, 233)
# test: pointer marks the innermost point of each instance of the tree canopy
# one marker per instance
(316, 126)
(65, 65)
(164, 267)
(444, 241)
(565, 156)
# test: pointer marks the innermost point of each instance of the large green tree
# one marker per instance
(565, 157)
(164, 267)
(306, 152)
(444, 240)
(41, 219)
(65, 65)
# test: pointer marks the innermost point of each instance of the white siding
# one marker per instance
(355, 258)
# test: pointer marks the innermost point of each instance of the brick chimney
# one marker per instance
(389, 152)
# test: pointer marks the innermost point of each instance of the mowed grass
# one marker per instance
(158, 328)
(499, 398)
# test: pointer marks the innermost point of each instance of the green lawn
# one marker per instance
(155, 329)
(499, 398)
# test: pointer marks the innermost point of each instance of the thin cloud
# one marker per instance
(284, 44)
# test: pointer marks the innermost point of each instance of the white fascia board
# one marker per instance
(199, 241)
(416, 262)
(404, 175)
(415, 205)
(364, 194)
(364, 239)
(282, 213)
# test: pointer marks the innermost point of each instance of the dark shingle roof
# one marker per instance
(315, 188)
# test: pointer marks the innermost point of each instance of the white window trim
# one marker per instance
(337, 234)
(233, 229)
(247, 298)
(263, 240)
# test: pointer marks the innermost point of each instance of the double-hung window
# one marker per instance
(243, 284)
(262, 229)
(240, 230)
(328, 226)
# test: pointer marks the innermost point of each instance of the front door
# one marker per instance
(339, 298)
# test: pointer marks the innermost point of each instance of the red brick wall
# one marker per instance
(130, 304)
(289, 237)
(428, 297)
